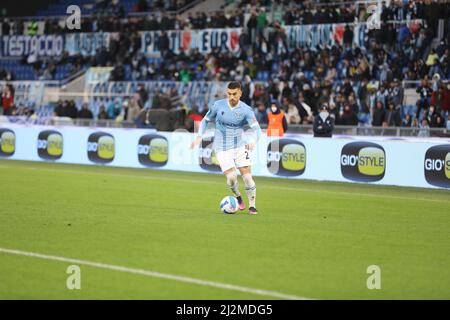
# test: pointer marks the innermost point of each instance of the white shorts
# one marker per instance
(234, 158)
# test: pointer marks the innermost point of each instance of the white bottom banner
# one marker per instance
(408, 162)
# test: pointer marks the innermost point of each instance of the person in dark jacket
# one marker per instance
(424, 92)
(71, 110)
(85, 113)
(323, 123)
(393, 117)
(379, 115)
(348, 116)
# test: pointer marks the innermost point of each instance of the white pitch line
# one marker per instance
(154, 274)
(218, 183)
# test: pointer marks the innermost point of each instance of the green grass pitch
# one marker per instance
(311, 239)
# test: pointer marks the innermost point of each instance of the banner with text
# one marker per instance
(193, 93)
(226, 40)
(410, 162)
(39, 46)
(322, 35)
(86, 44)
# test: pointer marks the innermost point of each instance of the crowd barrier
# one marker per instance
(387, 161)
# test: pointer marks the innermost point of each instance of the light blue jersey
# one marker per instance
(230, 122)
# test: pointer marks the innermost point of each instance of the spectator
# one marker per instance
(133, 110)
(348, 116)
(437, 121)
(382, 95)
(396, 93)
(333, 111)
(143, 96)
(164, 44)
(392, 117)
(379, 115)
(248, 90)
(441, 98)
(85, 113)
(102, 114)
(70, 110)
(292, 114)
(261, 113)
(261, 21)
(407, 121)
(348, 36)
(424, 130)
(60, 109)
(435, 70)
(323, 123)
(7, 100)
(114, 108)
(425, 94)
(304, 110)
(432, 57)
(286, 92)
(352, 103)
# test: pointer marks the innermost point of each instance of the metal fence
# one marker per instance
(376, 131)
(300, 129)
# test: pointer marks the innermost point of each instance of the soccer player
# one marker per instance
(230, 116)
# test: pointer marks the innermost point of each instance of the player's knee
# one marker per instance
(231, 178)
(248, 180)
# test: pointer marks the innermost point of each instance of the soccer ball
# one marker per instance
(229, 205)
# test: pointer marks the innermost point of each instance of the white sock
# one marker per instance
(233, 183)
(250, 189)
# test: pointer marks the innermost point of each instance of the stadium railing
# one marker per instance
(395, 132)
(376, 131)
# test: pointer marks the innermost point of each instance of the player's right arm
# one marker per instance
(209, 117)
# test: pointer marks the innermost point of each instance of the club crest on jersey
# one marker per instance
(238, 114)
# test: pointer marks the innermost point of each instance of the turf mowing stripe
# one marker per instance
(154, 274)
(218, 183)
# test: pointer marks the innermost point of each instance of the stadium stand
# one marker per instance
(353, 75)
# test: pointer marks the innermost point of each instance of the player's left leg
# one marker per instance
(244, 163)
(250, 188)
(226, 162)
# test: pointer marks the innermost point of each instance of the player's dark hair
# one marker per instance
(234, 85)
